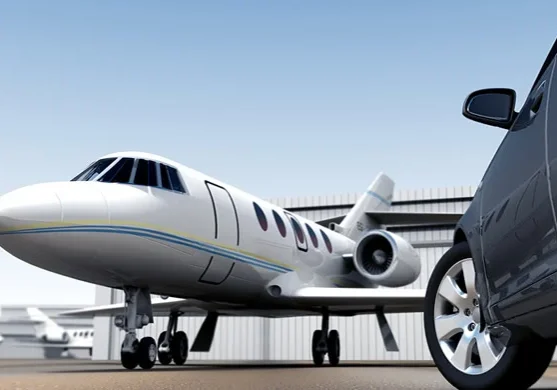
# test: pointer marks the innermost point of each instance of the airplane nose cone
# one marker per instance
(29, 205)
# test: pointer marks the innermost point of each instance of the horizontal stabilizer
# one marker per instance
(402, 218)
(397, 218)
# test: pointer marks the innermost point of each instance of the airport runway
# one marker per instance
(81, 375)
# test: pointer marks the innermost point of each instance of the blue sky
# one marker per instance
(279, 98)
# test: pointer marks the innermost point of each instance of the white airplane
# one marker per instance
(148, 225)
(51, 335)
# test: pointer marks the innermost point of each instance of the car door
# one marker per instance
(517, 221)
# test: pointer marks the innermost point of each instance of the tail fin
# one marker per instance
(378, 197)
(41, 322)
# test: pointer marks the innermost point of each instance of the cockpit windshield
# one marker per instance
(94, 170)
(129, 170)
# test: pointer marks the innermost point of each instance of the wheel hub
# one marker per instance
(467, 345)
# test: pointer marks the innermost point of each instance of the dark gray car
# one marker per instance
(491, 302)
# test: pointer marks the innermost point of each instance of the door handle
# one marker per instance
(536, 103)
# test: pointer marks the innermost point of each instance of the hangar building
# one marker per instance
(290, 339)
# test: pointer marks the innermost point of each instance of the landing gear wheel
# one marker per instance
(147, 353)
(333, 347)
(130, 360)
(464, 350)
(179, 348)
(165, 358)
(317, 354)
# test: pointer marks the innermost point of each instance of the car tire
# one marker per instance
(517, 365)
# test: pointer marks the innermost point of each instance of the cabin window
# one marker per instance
(120, 172)
(175, 180)
(280, 224)
(298, 230)
(94, 170)
(327, 242)
(261, 217)
(165, 181)
(312, 236)
(141, 173)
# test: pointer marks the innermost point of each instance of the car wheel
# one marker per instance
(467, 353)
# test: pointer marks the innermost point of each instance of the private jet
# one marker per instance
(148, 225)
(51, 335)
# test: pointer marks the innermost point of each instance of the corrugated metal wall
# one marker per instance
(290, 339)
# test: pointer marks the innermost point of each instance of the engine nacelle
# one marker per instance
(387, 259)
(54, 336)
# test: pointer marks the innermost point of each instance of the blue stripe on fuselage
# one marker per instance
(167, 237)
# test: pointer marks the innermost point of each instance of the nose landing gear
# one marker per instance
(139, 313)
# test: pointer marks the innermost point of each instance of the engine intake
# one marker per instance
(387, 259)
(55, 337)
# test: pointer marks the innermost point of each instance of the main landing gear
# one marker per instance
(325, 342)
(173, 345)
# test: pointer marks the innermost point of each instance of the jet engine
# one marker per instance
(386, 259)
(55, 336)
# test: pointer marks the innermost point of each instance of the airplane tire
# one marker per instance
(318, 357)
(517, 365)
(165, 358)
(147, 353)
(333, 347)
(179, 348)
(130, 360)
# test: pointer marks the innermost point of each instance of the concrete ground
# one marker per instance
(83, 374)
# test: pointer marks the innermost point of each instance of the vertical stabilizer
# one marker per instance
(42, 323)
(378, 197)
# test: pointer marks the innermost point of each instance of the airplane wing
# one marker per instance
(360, 300)
(403, 218)
(303, 301)
(46, 345)
(161, 308)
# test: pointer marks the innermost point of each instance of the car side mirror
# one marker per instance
(492, 106)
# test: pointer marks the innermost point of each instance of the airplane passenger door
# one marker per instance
(227, 235)
(299, 235)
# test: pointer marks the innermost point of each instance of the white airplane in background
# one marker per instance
(52, 335)
(148, 225)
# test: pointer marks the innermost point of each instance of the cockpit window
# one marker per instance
(141, 173)
(147, 173)
(165, 180)
(152, 174)
(120, 172)
(175, 180)
(94, 170)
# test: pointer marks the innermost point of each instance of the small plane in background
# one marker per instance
(51, 335)
(150, 226)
